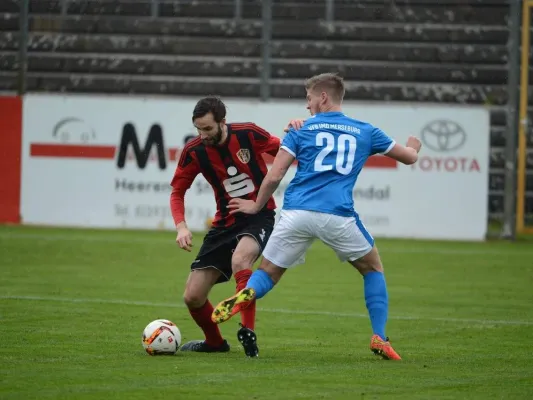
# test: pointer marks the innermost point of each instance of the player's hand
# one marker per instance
(414, 143)
(294, 123)
(184, 239)
(243, 206)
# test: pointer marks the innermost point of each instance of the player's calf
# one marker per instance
(244, 256)
(375, 289)
(200, 308)
(247, 310)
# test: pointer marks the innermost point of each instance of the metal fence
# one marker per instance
(329, 17)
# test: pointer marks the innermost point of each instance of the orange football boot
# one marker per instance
(383, 348)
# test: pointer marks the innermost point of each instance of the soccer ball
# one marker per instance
(161, 337)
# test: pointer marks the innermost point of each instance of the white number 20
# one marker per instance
(345, 159)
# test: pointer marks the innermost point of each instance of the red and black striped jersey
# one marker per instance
(234, 169)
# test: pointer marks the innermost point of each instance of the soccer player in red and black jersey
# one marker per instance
(229, 156)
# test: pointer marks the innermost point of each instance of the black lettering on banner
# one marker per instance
(121, 210)
(372, 193)
(123, 185)
(142, 155)
(152, 211)
(199, 214)
(375, 220)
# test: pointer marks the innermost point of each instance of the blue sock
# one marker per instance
(377, 302)
(261, 282)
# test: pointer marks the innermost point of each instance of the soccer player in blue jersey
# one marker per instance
(331, 149)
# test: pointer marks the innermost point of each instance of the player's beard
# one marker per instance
(214, 140)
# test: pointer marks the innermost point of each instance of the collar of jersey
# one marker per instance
(330, 113)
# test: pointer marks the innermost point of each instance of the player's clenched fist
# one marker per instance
(184, 239)
(414, 143)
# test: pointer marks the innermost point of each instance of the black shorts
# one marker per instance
(220, 243)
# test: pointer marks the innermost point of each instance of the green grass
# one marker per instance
(73, 304)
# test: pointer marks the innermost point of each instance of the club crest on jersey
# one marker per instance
(244, 155)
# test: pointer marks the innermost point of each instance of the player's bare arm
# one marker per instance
(407, 154)
(281, 165)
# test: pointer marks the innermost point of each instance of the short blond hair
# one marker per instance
(328, 82)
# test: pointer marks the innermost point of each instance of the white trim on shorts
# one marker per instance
(212, 266)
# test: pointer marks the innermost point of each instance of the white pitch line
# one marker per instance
(110, 238)
(271, 310)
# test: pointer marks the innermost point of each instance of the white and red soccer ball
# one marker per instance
(161, 337)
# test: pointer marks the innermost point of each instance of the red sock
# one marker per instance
(202, 317)
(247, 313)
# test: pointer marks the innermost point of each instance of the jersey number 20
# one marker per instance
(346, 146)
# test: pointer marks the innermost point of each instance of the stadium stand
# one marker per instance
(451, 51)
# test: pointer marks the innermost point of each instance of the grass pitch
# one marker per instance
(73, 304)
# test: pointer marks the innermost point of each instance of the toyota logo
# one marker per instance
(443, 135)
(73, 129)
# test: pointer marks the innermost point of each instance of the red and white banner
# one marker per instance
(10, 162)
(107, 162)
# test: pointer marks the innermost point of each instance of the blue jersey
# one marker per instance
(331, 150)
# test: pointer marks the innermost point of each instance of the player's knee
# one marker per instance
(370, 262)
(241, 261)
(366, 267)
(372, 268)
(193, 300)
